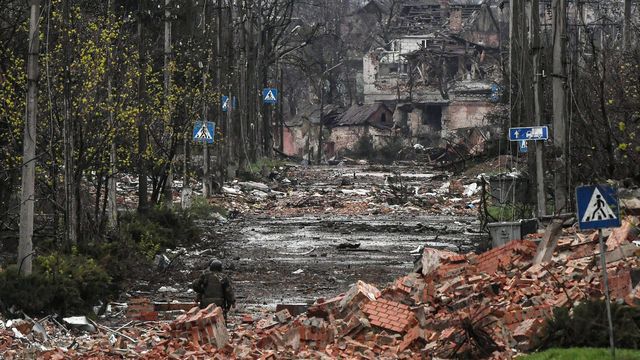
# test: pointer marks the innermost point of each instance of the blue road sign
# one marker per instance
(495, 92)
(597, 207)
(204, 132)
(270, 95)
(224, 100)
(524, 148)
(529, 133)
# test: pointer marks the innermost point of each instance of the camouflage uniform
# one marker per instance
(215, 288)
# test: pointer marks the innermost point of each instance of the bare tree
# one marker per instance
(25, 246)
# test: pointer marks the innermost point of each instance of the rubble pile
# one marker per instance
(489, 305)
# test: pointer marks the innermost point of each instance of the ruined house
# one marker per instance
(441, 72)
(371, 121)
(301, 130)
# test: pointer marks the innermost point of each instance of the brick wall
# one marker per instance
(202, 326)
(466, 114)
(504, 256)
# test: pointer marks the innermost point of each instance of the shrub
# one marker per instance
(390, 151)
(65, 284)
(587, 326)
(159, 228)
(363, 147)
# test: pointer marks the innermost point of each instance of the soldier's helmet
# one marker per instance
(215, 265)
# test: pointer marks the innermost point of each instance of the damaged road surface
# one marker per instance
(315, 231)
(299, 259)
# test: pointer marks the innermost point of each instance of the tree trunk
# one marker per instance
(168, 185)
(559, 104)
(222, 145)
(206, 178)
(71, 206)
(626, 35)
(27, 200)
(243, 91)
(142, 133)
(112, 194)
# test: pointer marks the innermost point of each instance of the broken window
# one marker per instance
(383, 118)
(432, 117)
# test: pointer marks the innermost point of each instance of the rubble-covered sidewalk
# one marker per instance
(490, 305)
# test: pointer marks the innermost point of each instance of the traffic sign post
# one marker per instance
(224, 101)
(598, 208)
(524, 147)
(523, 135)
(529, 133)
(204, 132)
(270, 96)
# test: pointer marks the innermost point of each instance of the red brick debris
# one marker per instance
(500, 296)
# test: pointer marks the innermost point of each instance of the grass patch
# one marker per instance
(201, 209)
(583, 354)
(509, 212)
(267, 163)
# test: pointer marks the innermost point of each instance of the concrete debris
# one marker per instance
(79, 322)
(231, 191)
(252, 185)
(161, 262)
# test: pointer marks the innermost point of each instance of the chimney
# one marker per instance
(444, 9)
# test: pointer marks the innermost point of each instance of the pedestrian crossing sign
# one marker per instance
(598, 207)
(204, 132)
(224, 100)
(270, 95)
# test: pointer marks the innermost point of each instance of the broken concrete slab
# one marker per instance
(252, 185)
(549, 242)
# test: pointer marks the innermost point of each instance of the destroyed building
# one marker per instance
(441, 72)
(371, 121)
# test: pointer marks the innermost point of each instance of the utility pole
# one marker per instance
(559, 103)
(112, 201)
(69, 135)
(534, 41)
(168, 186)
(626, 35)
(27, 200)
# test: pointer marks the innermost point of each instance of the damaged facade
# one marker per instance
(441, 71)
(439, 77)
(373, 121)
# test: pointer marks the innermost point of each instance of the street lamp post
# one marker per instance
(322, 109)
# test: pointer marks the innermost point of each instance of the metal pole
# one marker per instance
(606, 292)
